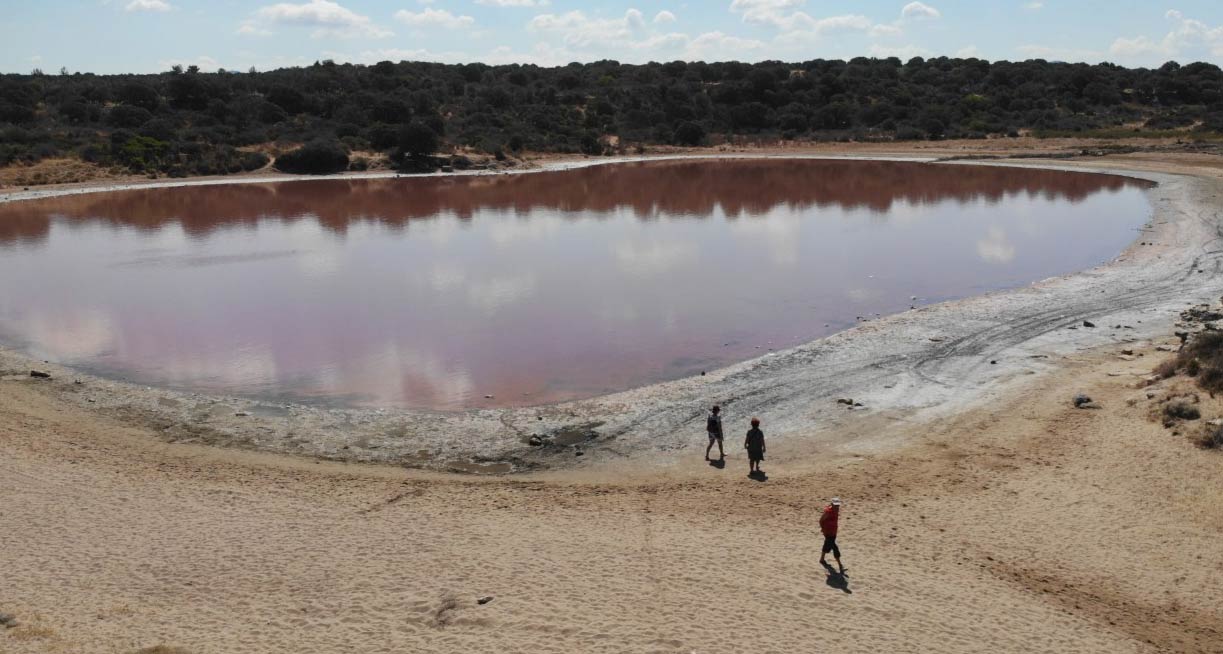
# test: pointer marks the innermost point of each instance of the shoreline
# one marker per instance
(919, 364)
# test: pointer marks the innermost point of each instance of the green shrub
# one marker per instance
(315, 158)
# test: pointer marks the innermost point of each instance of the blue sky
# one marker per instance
(110, 36)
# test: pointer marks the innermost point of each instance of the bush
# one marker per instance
(1202, 358)
(418, 140)
(690, 134)
(1181, 411)
(316, 158)
(1211, 438)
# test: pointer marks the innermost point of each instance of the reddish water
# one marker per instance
(435, 292)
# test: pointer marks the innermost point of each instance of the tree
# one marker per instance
(690, 134)
(418, 140)
(314, 158)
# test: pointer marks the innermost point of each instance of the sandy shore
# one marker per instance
(1024, 525)
(983, 512)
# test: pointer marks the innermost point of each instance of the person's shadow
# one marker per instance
(758, 475)
(837, 579)
(718, 463)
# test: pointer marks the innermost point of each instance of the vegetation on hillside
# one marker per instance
(188, 122)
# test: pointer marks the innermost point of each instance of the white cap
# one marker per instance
(836, 501)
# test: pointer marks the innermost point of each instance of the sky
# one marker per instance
(145, 36)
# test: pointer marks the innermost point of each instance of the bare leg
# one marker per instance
(707, 448)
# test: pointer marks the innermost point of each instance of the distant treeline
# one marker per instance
(188, 122)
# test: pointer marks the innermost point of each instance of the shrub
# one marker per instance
(316, 158)
(417, 140)
(1181, 411)
(1203, 358)
(1211, 438)
(690, 134)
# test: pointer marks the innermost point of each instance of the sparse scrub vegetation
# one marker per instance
(1201, 358)
(191, 122)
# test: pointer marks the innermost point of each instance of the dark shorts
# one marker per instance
(714, 437)
(830, 545)
(755, 454)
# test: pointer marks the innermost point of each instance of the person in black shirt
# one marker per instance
(713, 426)
(755, 446)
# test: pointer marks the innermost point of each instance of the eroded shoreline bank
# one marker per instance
(920, 363)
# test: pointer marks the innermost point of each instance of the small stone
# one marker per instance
(535, 440)
(1088, 323)
(485, 600)
(579, 453)
(1127, 351)
(993, 362)
(845, 401)
(40, 374)
(1081, 399)
(242, 414)
(8, 620)
(488, 397)
(702, 373)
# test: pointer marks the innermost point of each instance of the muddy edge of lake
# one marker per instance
(902, 369)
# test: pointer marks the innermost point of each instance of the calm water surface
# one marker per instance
(435, 292)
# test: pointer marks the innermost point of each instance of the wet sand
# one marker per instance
(983, 512)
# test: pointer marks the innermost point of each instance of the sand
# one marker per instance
(1025, 525)
(997, 519)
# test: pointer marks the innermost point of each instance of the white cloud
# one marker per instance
(513, 3)
(1189, 37)
(1034, 51)
(778, 13)
(250, 28)
(664, 16)
(328, 19)
(147, 5)
(879, 31)
(717, 46)
(434, 18)
(919, 10)
(968, 52)
(1034, 6)
(578, 30)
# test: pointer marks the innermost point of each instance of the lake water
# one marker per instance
(437, 292)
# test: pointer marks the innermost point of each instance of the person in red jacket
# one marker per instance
(828, 525)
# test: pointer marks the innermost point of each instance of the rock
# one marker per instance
(1127, 351)
(1080, 400)
(702, 373)
(40, 374)
(8, 620)
(535, 441)
(1088, 323)
(485, 600)
(242, 414)
(993, 362)
(579, 453)
(1162, 348)
(845, 401)
(1125, 357)
(488, 397)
